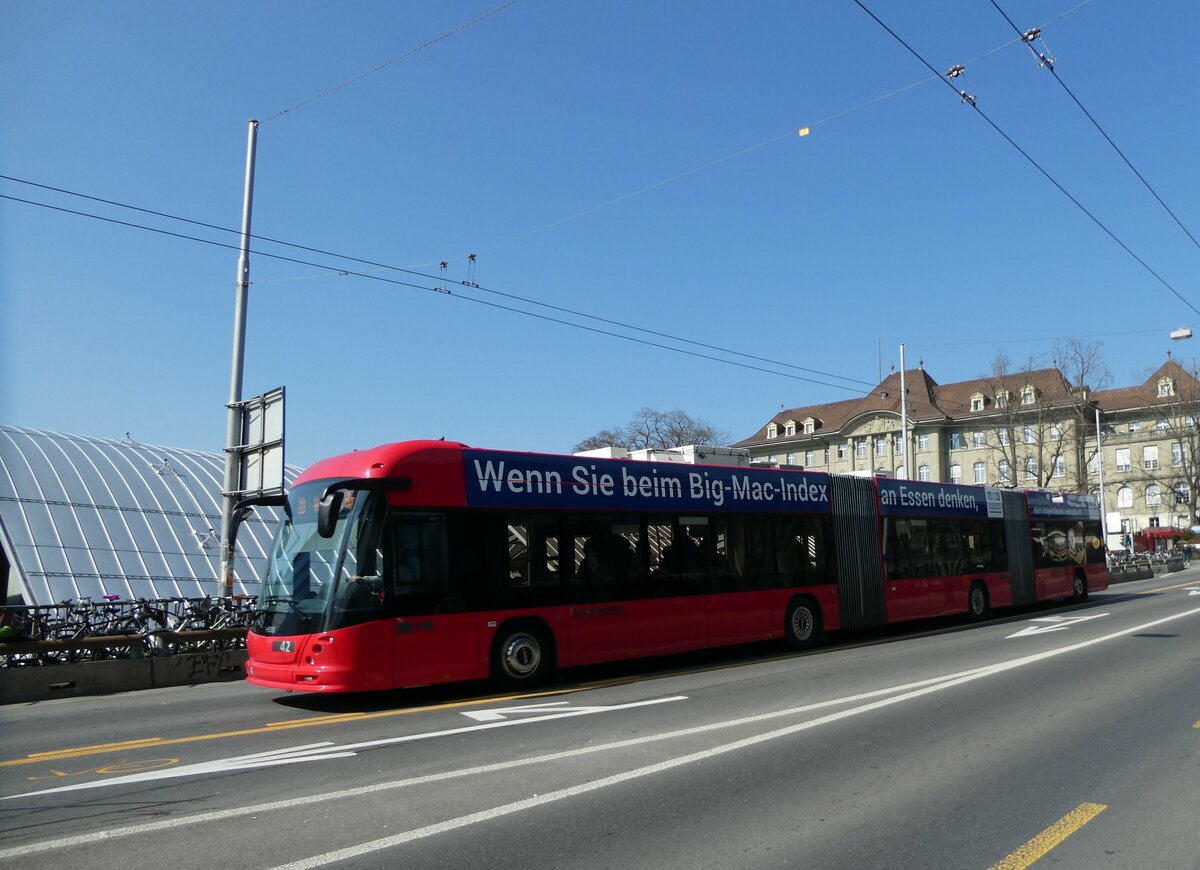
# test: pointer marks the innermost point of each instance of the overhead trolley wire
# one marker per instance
(1049, 64)
(458, 295)
(970, 99)
(396, 59)
(471, 284)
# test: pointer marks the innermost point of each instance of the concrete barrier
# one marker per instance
(43, 682)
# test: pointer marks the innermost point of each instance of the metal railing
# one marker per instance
(86, 630)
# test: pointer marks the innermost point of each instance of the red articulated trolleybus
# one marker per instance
(428, 561)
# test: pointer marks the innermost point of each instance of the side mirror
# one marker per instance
(327, 513)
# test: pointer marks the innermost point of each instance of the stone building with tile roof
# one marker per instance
(1024, 429)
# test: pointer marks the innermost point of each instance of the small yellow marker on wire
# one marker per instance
(803, 131)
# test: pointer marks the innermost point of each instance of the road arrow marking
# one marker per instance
(1192, 590)
(327, 750)
(1057, 623)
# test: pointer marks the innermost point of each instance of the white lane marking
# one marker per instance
(1057, 623)
(1192, 590)
(327, 750)
(935, 683)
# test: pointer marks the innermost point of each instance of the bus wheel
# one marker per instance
(522, 657)
(802, 627)
(1079, 590)
(977, 601)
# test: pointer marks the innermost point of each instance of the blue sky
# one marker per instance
(520, 138)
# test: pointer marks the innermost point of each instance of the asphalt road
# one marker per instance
(1071, 733)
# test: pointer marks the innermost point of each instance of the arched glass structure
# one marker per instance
(87, 517)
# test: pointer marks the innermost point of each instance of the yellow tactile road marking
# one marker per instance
(1051, 837)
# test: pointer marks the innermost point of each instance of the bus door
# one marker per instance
(434, 639)
(908, 550)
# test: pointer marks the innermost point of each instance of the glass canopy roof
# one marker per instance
(87, 517)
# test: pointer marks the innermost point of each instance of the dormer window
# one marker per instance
(1166, 387)
(1002, 399)
(810, 426)
(1028, 396)
(789, 428)
(977, 402)
(772, 431)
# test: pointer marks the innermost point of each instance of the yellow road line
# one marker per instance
(1195, 583)
(102, 748)
(1051, 837)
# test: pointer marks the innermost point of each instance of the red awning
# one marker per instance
(1161, 533)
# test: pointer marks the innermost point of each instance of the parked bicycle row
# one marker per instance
(86, 630)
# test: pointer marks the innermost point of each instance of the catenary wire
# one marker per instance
(501, 293)
(1050, 65)
(439, 290)
(396, 59)
(972, 103)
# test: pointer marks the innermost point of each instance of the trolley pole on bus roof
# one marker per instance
(233, 429)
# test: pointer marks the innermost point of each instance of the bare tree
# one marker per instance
(1084, 371)
(1030, 441)
(657, 430)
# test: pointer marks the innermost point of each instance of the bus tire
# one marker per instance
(1079, 590)
(977, 601)
(802, 625)
(522, 656)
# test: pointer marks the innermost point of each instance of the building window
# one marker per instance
(1161, 423)
(1055, 432)
(881, 445)
(789, 428)
(808, 458)
(1122, 459)
(1028, 396)
(956, 474)
(957, 442)
(1183, 493)
(1124, 497)
(772, 431)
(809, 427)
(1031, 468)
(1150, 457)
(980, 472)
(826, 455)
(1002, 437)
(901, 472)
(860, 449)
(978, 439)
(923, 473)
(1154, 522)
(1153, 495)
(1002, 399)
(841, 454)
(922, 442)
(1166, 387)
(1030, 435)
(1005, 471)
(977, 403)
(1093, 465)
(1135, 425)
(1059, 469)
(1178, 454)
(791, 459)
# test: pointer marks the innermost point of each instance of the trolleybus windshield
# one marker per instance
(315, 583)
